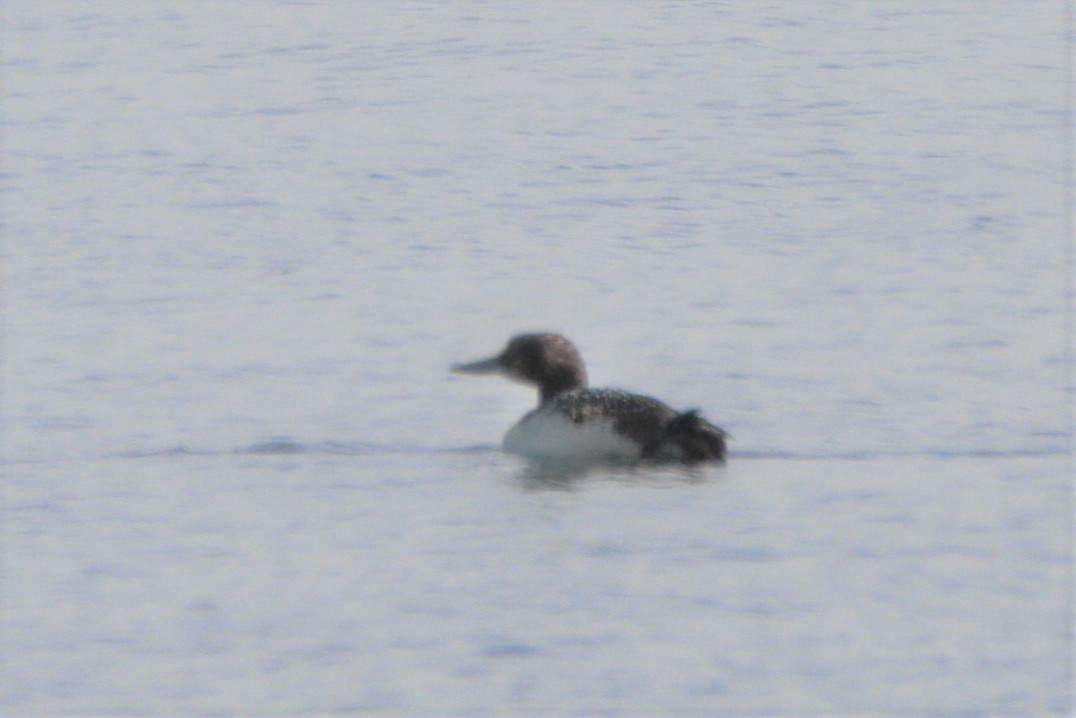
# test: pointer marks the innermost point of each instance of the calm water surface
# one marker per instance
(243, 242)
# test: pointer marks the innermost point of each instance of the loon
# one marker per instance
(574, 423)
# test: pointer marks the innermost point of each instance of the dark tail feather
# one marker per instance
(697, 439)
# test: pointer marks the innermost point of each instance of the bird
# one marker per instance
(575, 423)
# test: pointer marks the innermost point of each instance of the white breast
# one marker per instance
(551, 435)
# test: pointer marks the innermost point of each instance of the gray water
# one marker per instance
(243, 241)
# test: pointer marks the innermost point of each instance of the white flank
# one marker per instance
(553, 436)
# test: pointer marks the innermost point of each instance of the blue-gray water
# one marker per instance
(243, 242)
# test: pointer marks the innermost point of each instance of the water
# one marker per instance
(243, 242)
